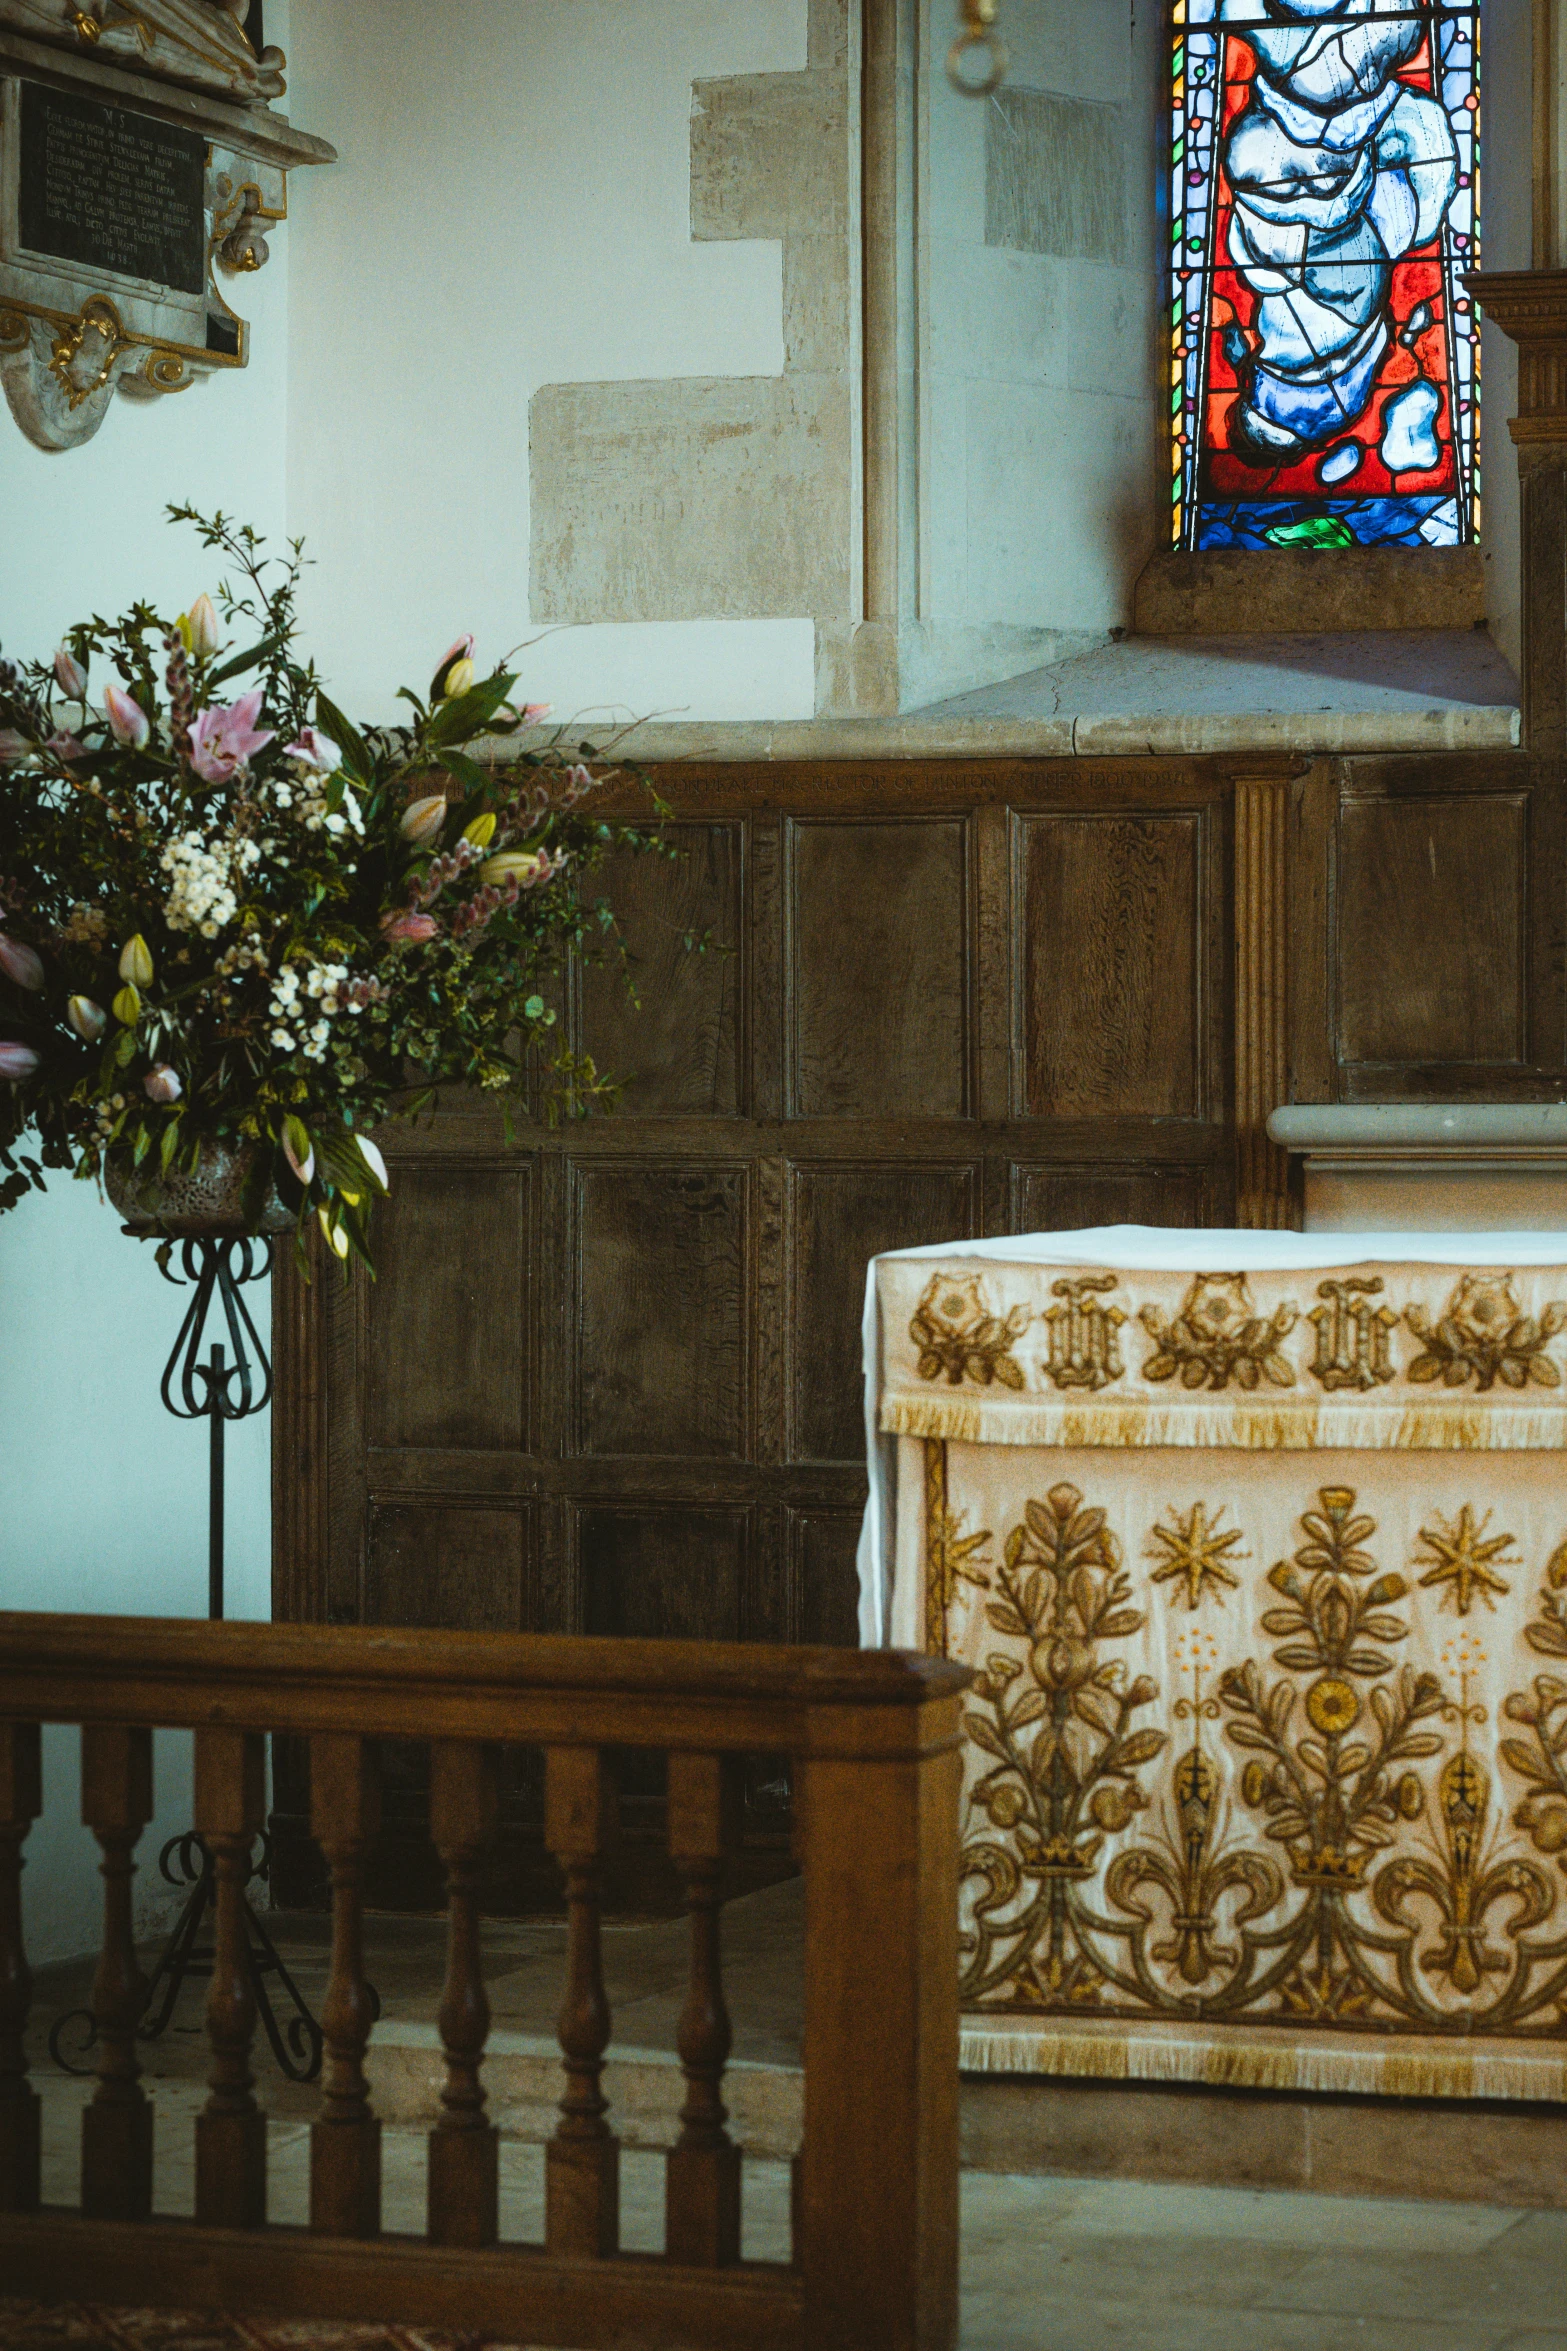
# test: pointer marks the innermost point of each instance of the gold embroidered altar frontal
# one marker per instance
(1264, 1579)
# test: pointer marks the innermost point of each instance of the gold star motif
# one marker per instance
(1197, 1551)
(1462, 1559)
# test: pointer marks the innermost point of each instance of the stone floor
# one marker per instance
(1054, 2264)
(1049, 2263)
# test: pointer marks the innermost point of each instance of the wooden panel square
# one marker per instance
(1432, 951)
(840, 1218)
(663, 1574)
(661, 1331)
(825, 1544)
(878, 969)
(448, 1348)
(675, 1049)
(1062, 1199)
(447, 1565)
(1112, 963)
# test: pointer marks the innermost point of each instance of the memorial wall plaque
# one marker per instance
(127, 210)
(112, 190)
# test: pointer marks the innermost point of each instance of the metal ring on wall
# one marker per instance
(977, 37)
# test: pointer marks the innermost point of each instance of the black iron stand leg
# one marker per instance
(214, 1268)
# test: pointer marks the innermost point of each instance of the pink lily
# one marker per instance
(316, 750)
(16, 1061)
(163, 1084)
(65, 747)
(223, 740)
(21, 963)
(128, 722)
(410, 930)
(72, 676)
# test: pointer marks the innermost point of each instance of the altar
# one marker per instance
(1257, 1544)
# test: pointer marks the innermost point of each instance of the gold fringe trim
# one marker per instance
(1229, 2058)
(1254, 1428)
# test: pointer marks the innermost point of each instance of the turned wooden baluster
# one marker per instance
(231, 2132)
(582, 2160)
(21, 1801)
(463, 2188)
(117, 2126)
(702, 2173)
(345, 2143)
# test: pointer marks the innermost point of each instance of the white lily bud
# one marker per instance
(136, 962)
(88, 1019)
(524, 863)
(72, 676)
(422, 819)
(202, 622)
(128, 721)
(336, 1238)
(163, 1084)
(373, 1160)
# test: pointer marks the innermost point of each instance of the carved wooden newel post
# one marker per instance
(21, 1801)
(702, 2175)
(231, 2134)
(117, 2126)
(582, 2160)
(464, 2145)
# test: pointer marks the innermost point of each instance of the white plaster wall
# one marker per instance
(512, 208)
(103, 1497)
(1038, 390)
(1505, 228)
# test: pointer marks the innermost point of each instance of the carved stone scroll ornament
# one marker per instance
(126, 205)
(199, 43)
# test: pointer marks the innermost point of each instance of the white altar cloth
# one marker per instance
(1258, 1546)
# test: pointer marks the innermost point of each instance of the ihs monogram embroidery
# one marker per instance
(1084, 1335)
(1352, 1334)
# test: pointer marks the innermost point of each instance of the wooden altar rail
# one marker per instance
(874, 1742)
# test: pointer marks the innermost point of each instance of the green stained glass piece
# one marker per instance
(1318, 530)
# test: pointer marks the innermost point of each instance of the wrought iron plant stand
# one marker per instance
(215, 1266)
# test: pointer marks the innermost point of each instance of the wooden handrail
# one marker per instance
(537, 1689)
(874, 1743)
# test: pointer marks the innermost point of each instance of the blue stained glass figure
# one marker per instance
(1321, 336)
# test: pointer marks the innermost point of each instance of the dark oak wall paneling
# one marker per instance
(1427, 900)
(609, 1378)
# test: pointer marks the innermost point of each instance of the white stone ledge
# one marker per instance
(1442, 1133)
(1115, 736)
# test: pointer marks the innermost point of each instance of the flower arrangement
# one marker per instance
(247, 930)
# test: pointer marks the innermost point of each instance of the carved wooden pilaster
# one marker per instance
(1530, 306)
(1262, 1201)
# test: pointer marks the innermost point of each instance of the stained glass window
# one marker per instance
(1325, 204)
